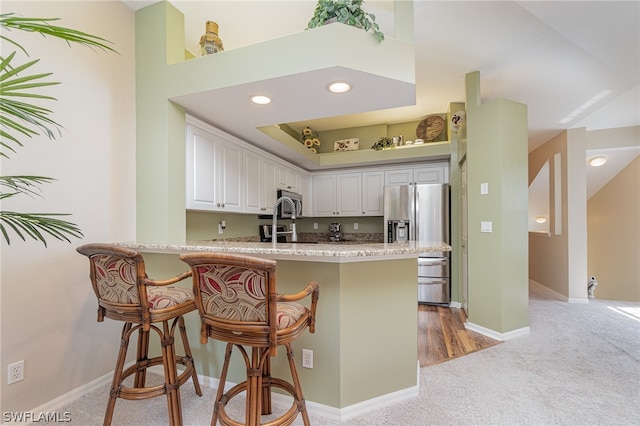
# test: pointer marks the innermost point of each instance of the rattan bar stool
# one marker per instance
(125, 293)
(238, 304)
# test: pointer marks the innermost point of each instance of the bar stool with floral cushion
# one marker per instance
(125, 293)
(238, 304)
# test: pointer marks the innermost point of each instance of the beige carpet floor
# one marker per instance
(580, 365)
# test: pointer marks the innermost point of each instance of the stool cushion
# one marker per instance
(288, 314)
(167, 297)
(238, 294)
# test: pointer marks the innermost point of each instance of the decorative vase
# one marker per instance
(210, 43)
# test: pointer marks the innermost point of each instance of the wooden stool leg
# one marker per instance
(189, 356)
(254, 386)
(142, 357)
(265, 396)
(221, 383)
(117, 373)
(171, 375)
(302, 407)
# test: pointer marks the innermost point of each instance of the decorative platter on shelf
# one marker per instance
(430, 128)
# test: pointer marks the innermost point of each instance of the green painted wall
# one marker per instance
(204, 225)
(359, 353)
(498, 261)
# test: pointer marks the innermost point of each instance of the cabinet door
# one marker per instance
(304, 187)
(430, 174)
(229, 161)
(372, 193)
(398, 177)
(253, 182)
(349, 194)
(201, 170)
(270, 185)
(324, 195)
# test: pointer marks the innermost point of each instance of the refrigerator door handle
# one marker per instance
(416, 222)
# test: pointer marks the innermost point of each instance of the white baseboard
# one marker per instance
(494, 334)
(321, 410)
(315, 409)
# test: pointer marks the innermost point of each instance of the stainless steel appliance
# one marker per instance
(334, 232)
(284, 209)
(421, 212)
(266, 234)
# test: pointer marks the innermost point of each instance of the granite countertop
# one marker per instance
(324, 252)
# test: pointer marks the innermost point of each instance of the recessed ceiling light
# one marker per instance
(541, 219)
(260, 99)
(597, 161)
(339, 87)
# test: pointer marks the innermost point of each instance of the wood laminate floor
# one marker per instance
(442, 336)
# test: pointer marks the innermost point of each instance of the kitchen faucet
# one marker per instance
(294, 209)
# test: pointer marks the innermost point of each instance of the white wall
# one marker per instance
(48, 310)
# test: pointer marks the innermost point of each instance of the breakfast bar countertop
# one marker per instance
(320, 252)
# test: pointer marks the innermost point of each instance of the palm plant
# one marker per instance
(19, 118)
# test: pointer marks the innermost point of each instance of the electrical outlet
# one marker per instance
(15, 372)
(355, 225)
(315, 225)
(307, 358)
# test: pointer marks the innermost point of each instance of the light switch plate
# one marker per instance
(484, 188)
(486, 226)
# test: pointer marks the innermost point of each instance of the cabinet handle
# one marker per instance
(218, 204)
(222, 204)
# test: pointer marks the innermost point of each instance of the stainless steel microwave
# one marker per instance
(284, 209)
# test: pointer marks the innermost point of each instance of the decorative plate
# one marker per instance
(346, 145)
(430, 128)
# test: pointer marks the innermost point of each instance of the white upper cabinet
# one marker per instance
(253, 187)
(423, 174)
(349, 194)
(372, 193)
(337, 194)
(214, 167)
(269, 185)
(324, 195)
(230, 176)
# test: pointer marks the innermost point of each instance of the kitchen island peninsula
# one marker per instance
(365, 344)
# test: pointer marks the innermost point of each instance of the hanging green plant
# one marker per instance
(21, 119)
(383, 143)
(348, 12)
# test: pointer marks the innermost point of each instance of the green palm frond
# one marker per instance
(20, 118)
(22, 185)
(37, 226)
(42, 25)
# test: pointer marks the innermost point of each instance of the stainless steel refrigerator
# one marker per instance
(421, 212)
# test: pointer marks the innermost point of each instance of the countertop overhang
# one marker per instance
(317, 252)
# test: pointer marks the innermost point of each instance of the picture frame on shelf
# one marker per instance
(346, 145)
